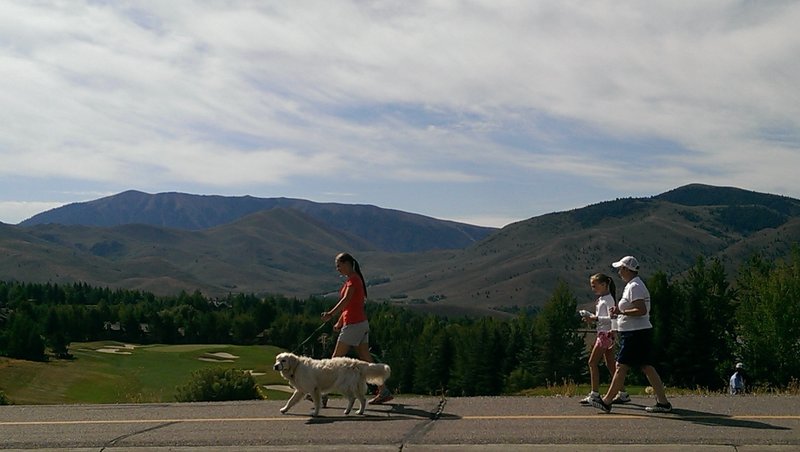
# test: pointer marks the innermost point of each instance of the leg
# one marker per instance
(365, 355)
(362, 401)
(350, 400)
(616, 383)
(622, 396)
(655, 381)
(315, 397)
(341, 349)
(594, 371)
(608, 355)
(383, 395)
(296, 397)
(363, 352)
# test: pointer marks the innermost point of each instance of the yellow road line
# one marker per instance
(155, 421)
(594, 416)
(599, 415)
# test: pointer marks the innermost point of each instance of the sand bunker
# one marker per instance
(218, 357)
(117, 349)
(223, 355)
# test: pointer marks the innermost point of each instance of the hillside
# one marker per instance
(521, 264)
(284, 250)
(387, 229)
(273, 251)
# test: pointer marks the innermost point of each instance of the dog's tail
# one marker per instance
(376, 374)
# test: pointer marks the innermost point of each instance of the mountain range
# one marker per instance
(168, 242)
(387, 229)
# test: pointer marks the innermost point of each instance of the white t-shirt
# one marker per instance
(601, 312)
(634, 290)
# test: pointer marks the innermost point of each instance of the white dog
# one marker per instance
(315, 377)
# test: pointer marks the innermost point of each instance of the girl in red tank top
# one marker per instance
(352, 325)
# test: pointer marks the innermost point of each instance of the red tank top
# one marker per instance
(354, 311)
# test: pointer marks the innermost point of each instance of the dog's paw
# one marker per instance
(346, 412)
(360, 412)
(284, 410)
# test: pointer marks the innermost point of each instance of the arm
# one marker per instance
(603, 310)
(638, 309)
(343, 302)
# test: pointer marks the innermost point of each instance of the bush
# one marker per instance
(3, 399)
(218, 384)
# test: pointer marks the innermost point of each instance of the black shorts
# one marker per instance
(636, 348)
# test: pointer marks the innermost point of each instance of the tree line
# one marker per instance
(703, 325)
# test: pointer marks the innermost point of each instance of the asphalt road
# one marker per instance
(716, 423)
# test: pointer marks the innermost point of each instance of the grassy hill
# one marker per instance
(287, 251)
(521, 264)
(275, 251)
(110, 372)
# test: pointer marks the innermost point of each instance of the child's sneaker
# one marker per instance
(384, 396)
(588, 400)
(659, 408)
(622, 397)
(600, 405)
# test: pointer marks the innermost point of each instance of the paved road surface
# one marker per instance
(717, 423)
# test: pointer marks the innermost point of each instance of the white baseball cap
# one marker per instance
(628, 262)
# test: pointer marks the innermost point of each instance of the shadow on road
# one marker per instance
(398, 411)
(704, 418)
(722, 420)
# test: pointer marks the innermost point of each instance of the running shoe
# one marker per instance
(659, 408)
(622, 397)
(600, 405)
(383, 397)
(588, 400)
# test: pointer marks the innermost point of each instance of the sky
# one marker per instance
(485, 112)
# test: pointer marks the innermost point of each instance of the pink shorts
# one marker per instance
(605, 340)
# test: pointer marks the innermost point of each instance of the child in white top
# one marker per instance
(602, 286)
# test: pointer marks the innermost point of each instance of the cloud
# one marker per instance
(243, 95)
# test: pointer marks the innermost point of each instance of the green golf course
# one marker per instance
(113, 372)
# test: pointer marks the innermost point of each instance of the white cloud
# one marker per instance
(240, 94)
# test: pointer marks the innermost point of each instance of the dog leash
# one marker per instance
(296, 349)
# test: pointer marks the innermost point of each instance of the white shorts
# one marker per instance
(355, 334)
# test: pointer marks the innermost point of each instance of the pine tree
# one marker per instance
(769, 320)
(559, 350)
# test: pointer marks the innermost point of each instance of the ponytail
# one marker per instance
(605, 279)
(346, 257)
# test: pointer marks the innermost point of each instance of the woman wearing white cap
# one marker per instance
(636, 338)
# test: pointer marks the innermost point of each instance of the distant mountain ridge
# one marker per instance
(387, 229)
(288, 251)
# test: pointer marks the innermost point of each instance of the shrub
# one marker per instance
(3, 399)
(218, 384)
